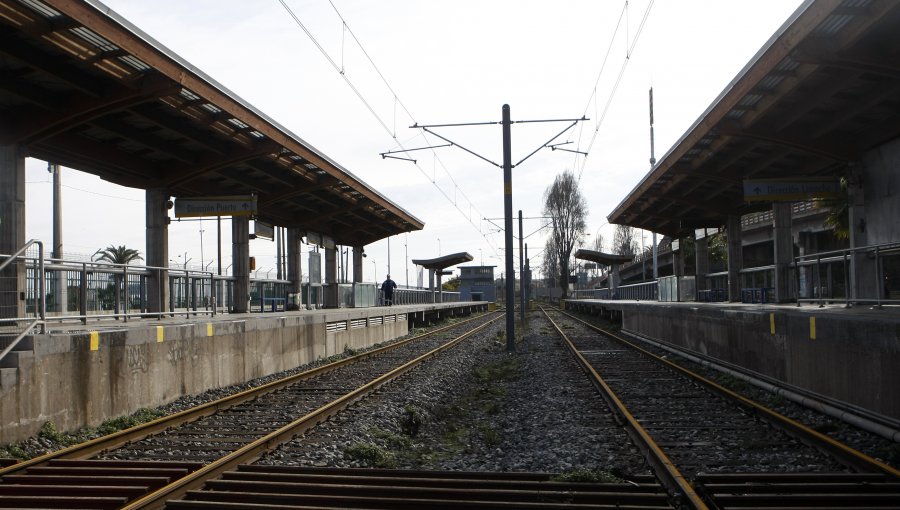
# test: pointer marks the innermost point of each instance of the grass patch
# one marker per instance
(124, 422)
(583, 475)
(411, 420)
(456, 439)
(489, 435)
(370, 455)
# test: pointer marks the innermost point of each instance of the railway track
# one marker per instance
(713, 448)
(146, 465)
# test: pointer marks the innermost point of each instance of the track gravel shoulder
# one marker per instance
(478, 408)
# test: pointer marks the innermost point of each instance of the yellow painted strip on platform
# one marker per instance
(95, 340)
(812, 328)
(209, 329)
(772, 323)
(160, 334)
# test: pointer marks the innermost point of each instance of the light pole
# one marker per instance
(481, 256)
(375, 268)
(201, 243)
(439, 246)
(643, 257)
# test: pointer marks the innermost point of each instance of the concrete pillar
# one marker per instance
(862, 268)
(358, 264)
(240, 259)
(784, 250)
(701, 261)
(678, 259)
(331, 287)
(59, 278)
(294, 265)
(431, 284)
(12, 230)
(735, 257)
(614, 281)
(157, 247)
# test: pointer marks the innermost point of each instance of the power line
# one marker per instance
(392, 133)
(629, 50)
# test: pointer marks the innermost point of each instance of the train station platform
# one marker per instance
(80, 375)
(847, 354)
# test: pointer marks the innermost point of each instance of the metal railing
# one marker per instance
(12, 322)
(410, 296)
(836, 285)
(646, 291)
(590, 294)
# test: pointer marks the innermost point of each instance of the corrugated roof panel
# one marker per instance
(238, 123)
(187, 94)
(42, 8)
(750, 99)
(770, 82)
(788, 64)
(93, 38)
(210, 108)
(135, 62)
(833, 24)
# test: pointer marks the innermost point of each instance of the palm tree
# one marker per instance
(117, 255)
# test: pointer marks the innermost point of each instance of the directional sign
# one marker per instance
(241, 205)
(263, 230)
(786, 190)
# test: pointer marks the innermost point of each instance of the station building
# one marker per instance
(810, 125)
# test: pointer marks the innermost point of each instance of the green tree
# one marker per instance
(117, 255)
(451, 285)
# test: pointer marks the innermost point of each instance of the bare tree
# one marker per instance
(624, 242)
(550, 264)
(598, 242)
(567, 208)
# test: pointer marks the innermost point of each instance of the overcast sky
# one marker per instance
(446, 62)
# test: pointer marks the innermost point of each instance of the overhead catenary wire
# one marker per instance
(629, 51)
(391, 132)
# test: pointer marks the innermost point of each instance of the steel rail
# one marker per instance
(840, 451)
(111, 441)
(668, 473)
(254, 450)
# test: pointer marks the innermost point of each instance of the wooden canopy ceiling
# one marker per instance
(82, 87)
(823, 90)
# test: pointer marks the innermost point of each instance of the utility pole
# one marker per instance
(521, 272)
(653, 162)
(508, 226)
(507, 167)
(60, 289)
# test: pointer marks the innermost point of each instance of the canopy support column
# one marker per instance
(240, 258)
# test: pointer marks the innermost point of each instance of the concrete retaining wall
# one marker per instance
(848, 358)
(81, 378)
(847, 355)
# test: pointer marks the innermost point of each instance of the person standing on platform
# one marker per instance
(387, 288)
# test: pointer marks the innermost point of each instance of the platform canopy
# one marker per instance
(441, 263)
(82, 87)
(821, 91)
(602, 258)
